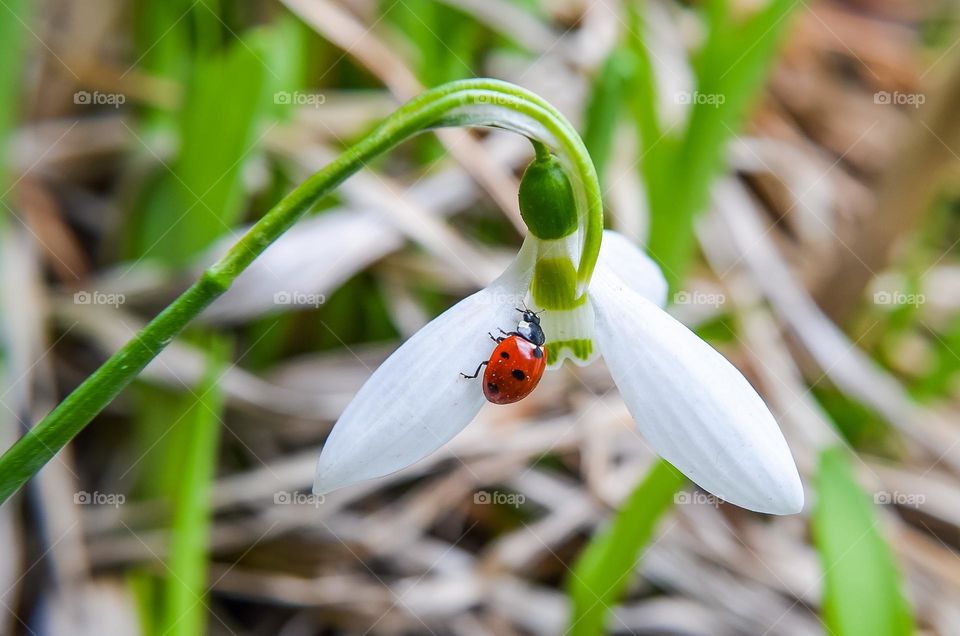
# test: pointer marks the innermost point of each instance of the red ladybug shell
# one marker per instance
(514, 370)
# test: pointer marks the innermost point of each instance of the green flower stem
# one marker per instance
(479, 102)
(541, 151)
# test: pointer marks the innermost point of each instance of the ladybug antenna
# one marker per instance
(527, 310)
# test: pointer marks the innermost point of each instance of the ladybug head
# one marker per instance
(530, 316)
(529, 327)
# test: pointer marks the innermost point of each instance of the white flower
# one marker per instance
(689, 402)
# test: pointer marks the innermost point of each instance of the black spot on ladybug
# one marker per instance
(493, 387)
(538, 353)
(504, 355)
(518, 374)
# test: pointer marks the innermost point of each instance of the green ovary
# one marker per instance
(547, 203)
(581, 348)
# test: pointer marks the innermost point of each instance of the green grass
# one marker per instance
(604, 107)
(603, 570)
(185, 590)
(12, 39)
(201, 193)
(679, 163)
(862, 589)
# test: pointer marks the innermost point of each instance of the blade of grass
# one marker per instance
(730, 70)
(208, 28)
(862, 591)
(185, 589)
(143, 588)
(224, 100)
(601, 574)
(160, 431)
(603, 108)
(162, 36)
(216, 134)
(13, 17)
(658, 147)
(284, 44)
(644, 93)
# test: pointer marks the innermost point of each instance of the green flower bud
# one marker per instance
(547, 204)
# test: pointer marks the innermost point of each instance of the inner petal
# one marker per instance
(569, 335)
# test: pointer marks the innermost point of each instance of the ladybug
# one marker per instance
(516, 364)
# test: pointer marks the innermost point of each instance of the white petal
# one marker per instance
(569, 335)
(624, 258)
(694, 407)
(417, 400)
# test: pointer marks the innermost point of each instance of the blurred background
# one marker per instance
(791, 164)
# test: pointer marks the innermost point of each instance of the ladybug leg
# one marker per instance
(494, 338)
(477, 372)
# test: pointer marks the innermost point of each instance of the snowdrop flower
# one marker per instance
(600, 296)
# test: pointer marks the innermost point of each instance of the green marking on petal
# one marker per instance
(554, 284)
(581, 348)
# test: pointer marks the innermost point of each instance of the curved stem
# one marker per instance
(542, 152)
(479, 102)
